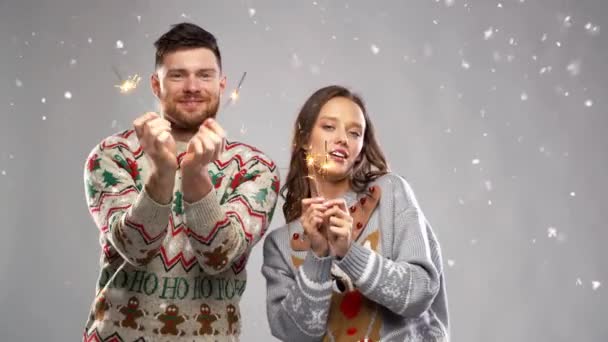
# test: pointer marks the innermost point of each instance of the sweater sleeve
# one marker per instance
(131, 223)
(223, 234)
(297, 303)
(407, 283)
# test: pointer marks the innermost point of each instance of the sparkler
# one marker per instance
(128, 84)
(311, 161)
(234, 96)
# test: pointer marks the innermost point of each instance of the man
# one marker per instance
(178, 207)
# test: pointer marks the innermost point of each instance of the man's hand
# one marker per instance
(204, 147)
(154, 135)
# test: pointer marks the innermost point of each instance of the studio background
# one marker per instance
(494, 111)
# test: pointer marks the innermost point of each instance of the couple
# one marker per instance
(179, 209)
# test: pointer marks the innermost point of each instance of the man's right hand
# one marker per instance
(154, 134)
(312, 220)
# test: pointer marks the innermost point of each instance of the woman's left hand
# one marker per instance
(340, 223)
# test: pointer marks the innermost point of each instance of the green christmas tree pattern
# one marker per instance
(109, 179)
(178, 205)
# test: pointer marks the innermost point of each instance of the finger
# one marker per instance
(339, 202)
(140, 121)
(153, 128)
(195, 147)
(208, 145)
(309, 201)
(159, 134)
(338, 232)
(213, 136)
(158, 122)
(163, 137)
(335, 221)
(337, 212)
(215, 127)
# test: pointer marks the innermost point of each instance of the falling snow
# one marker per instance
(487, 34)
(119, 44)
(574, 68)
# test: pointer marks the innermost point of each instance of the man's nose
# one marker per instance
(193, 84)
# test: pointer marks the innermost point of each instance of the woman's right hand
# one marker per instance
(312, 221)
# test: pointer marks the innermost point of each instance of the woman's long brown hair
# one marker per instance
(370, 164)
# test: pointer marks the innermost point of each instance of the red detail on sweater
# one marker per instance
(363, 200)
(241, 162)
(359, 225)
(133, 168)
(372, 189)
(104, 195)
(351, 304)
(353, 208)
(351, 331)
(142, 230)
(226, 221)
(177, 258)
(296, 236)
(93, 162)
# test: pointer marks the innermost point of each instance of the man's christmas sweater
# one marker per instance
(177, 271)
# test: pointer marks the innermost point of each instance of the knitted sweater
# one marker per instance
(177, 271)
(388, 287)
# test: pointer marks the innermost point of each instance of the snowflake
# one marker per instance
(298, 303)
(375, 49)
(487, 34)
(120, 44)
(574, 68)
(317, 321)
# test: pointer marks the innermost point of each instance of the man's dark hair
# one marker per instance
(185, 36)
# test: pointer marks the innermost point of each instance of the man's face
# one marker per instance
(189, 84)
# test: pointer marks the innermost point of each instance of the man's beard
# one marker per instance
(190, 121)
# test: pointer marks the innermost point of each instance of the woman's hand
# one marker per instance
(312, 218)
(340, 224)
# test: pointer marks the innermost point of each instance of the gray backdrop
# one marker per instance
(494, 111)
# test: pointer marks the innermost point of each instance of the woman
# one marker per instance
(357, 260)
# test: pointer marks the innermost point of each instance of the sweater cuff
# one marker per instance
(204, 212)
(148, 212)
(355, 261)
(317, 269)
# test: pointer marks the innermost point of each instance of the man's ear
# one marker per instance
(222, 84)
(155, 84)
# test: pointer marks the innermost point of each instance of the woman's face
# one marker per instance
(340, 126)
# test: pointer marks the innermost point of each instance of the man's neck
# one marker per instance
(182, 135)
